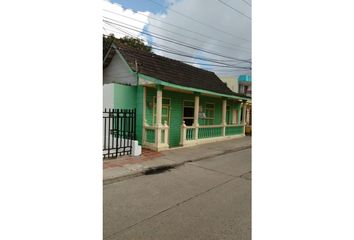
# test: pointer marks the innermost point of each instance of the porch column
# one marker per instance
(196, 115)
(244, 109)
(158, 116)
(223, 117)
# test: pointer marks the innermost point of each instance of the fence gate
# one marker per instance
(119, 132)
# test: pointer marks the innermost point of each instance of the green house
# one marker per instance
(177, 104)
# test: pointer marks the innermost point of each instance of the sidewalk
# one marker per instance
(150, 161)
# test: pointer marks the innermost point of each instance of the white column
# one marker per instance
(196, 116)
(158, 116)
(244, 108)
(167, 129)
(158, 106)
(183, 134)
(223, 118)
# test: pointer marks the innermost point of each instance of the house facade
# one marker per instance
(176, 104)
(242, 84)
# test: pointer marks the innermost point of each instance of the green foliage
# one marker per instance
(130, 41)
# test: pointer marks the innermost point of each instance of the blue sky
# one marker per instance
(143, 5)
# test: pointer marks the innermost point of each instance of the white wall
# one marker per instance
(118, 72)
(108, 95)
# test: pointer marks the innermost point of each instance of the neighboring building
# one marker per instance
(231, 82)
(176, 104)
(245, 85)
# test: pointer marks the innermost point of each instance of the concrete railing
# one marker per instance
(191, 135)
(156, 137)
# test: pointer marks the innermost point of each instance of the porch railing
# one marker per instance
(234, 130)
(156, 137)
(204, 132)
(149, 134)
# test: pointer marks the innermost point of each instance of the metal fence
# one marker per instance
(119, 132)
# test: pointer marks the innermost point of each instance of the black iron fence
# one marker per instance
(119, 132)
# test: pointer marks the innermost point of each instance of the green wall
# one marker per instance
(125, 96)
(203, 100)
(176, 110)
(132, 97)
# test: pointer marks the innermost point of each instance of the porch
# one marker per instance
(175, 117)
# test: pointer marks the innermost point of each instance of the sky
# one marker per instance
(211, 34)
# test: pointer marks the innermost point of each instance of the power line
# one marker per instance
(204, 24)
(180, 53)
(173, 51)
(246, 3)
(238, 11)
(172, 40)
(198, 58)
(185, 29)
(176, 50)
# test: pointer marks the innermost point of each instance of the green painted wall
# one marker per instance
(124, 96)
(203, 100)
(176, 110)
(132, 97)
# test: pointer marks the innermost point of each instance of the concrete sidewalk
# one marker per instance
(150, 161)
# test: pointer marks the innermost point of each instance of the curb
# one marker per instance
(166, 167)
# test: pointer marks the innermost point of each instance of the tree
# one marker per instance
(130, 41)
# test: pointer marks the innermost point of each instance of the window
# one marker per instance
(228, 115)
(245, 90)
(209, 114)
(165, 112)
(188, 112)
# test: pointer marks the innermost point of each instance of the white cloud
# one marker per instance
(113, 12)
(211, 13)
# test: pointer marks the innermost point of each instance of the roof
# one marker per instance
(173, 71)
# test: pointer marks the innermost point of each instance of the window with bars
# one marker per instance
(188, 112)
(209, 114)
(228, 115)
(165, 112)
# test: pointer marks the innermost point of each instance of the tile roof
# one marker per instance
(173, 71)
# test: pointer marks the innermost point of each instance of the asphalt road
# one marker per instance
(208, 199)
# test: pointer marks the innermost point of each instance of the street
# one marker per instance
(207, 199)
